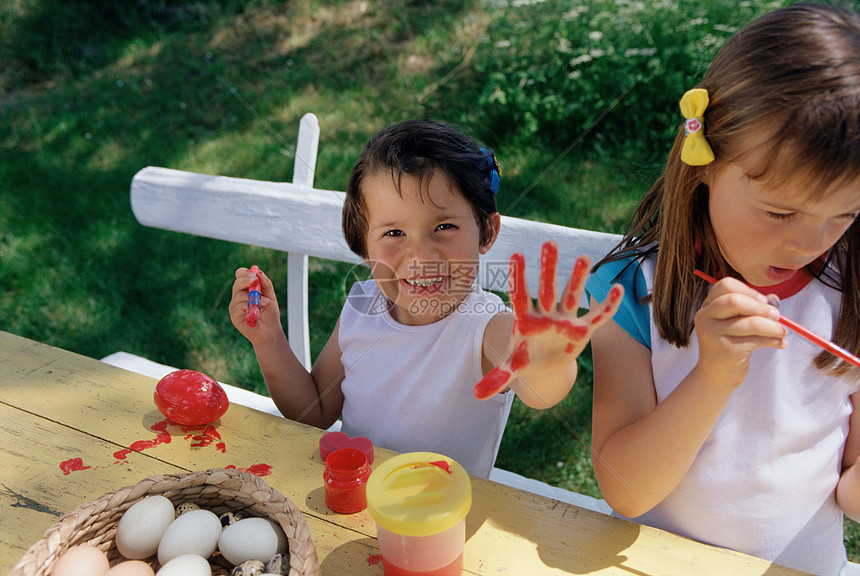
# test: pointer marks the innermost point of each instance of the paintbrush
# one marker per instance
(805, 332)
(254, 302)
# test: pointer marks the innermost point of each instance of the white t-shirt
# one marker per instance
(409, 388)
(764, 482)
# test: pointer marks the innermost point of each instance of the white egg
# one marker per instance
(195, 532)
(81, 560)
(251, 539)
(186, 565)
(142, 525)
(131, 568)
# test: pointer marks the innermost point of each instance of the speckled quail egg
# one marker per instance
(228, 518)
(279, 564)
(186, 507)
(249, 568)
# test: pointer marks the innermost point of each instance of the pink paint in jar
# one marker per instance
(419, 501)
(345, 478)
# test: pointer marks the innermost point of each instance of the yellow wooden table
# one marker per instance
(57, 407)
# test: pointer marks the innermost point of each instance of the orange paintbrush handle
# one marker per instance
(805, 332)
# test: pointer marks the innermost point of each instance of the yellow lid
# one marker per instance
(419, 494)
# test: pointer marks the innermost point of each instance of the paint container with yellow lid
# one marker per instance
(419, 502)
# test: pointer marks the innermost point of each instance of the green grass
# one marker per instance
(578, 101)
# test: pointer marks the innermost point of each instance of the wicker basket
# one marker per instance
(217, 490)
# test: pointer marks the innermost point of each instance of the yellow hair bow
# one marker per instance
(696, 150)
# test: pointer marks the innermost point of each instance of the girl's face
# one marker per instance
(423, 249)
(767, 231)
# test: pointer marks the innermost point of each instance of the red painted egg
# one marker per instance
(190, 398)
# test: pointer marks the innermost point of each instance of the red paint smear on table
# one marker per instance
(374, 559)
(260, 469)
(163, 437)
(73, 465)
(209, 436)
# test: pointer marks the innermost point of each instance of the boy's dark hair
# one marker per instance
(421, 148)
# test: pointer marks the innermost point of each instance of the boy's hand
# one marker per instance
(551, 336)
(269, 321)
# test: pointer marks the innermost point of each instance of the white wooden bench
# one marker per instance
(305, 222)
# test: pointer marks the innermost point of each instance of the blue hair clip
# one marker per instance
(495, 174)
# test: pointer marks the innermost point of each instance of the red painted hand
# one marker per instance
(551, 335)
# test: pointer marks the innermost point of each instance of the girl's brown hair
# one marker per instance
(794, 72)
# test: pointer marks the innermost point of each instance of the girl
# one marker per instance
(409, 346)
(720, 425)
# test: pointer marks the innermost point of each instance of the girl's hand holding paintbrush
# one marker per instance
(802, 331)
(733, 322)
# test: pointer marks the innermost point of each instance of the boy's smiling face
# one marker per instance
(422, 245)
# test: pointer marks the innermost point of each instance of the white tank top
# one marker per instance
(764, 482)
(409, 388)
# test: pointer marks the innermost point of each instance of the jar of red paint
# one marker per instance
(345, 477)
